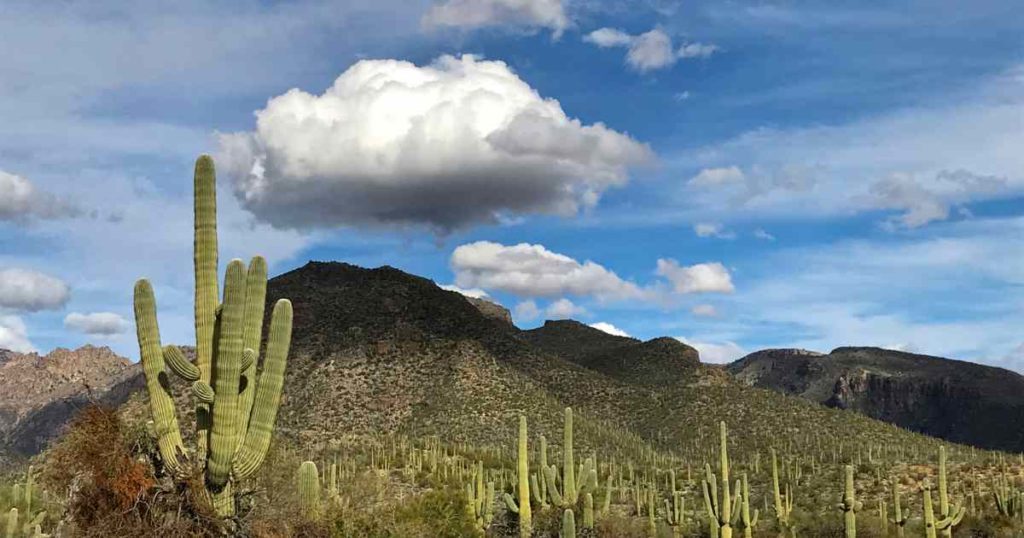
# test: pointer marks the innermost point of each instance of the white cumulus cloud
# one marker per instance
(458, 142)
(564, 309)
(529, 271)
(699, 278)
(534, 271)
(31, 291)
(96, 323)
(715, 353)
(14, 335)
(480, 13)
(650, 50)
(610, 329)
(21, 200)
(527, 310)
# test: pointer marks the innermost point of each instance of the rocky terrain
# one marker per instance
(955, 400)
(383, 351)
(40, 394)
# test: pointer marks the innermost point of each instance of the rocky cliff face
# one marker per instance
(955, 400)
(39, 395)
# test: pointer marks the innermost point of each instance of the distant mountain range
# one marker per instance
(955, 400)
(380, 350)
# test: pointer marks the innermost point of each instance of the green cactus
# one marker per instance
(849, 504)
(675, 507)
(931, 524)
(309, 490)
(234, 418)
(522, 507)
(11, 528)
(588, 511)
(783, 503)
(746, 522)
(572, 484)
(568, 524)
(949, 515)
(1008, 502)
(652, 526)
(724, 513)
(900, 518)
(480, 501)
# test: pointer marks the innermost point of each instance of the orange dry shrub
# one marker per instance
(94, 464)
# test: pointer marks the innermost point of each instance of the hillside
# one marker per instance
(40, 394)
(960, 401)
(379, 350)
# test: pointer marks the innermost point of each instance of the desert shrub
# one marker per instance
(103, 470)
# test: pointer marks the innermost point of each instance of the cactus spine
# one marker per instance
(723, 513)
(309, 490)
(523, 489)
(233, 435)
(849, 504)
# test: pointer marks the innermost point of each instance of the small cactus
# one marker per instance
(309, 490)
(849, 504)
(568, 524)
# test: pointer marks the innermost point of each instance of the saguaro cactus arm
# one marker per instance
(268, 393)
(161, 404)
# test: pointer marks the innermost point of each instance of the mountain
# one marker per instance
(39, 395)
(380, 350)
(956, 400)
(659, 361)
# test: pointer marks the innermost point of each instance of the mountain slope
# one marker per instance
(379, 350)
(39, 395)
(955, 400)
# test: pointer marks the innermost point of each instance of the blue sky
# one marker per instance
(736, 174)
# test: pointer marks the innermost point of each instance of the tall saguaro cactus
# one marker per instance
(949, 515)
(234, 417)
(849, 504)
(722, 513)
(522, 507)
(572, 485)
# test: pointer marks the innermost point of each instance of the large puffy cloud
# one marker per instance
(479, 13)
(96, 323)
(534, 271)
(650, 50)
(14, 335)
(699, 278)
(21, 200)
(529, 270)
(26, 290)
(458, 142)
